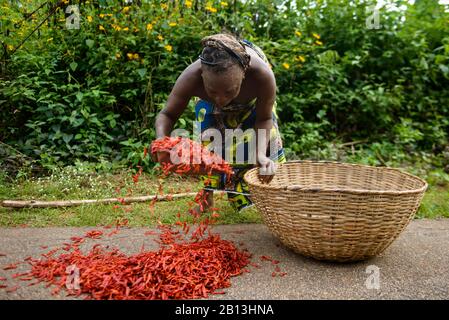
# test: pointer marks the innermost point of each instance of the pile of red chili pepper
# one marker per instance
(186, 270)
(193, 157)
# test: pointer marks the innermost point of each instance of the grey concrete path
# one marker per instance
(415, 266)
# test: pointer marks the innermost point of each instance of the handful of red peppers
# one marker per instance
(192, 157)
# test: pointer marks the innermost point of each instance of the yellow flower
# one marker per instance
(149, 26)
(89, 18)
(172, 24)
(316, 36)
(164, 6)
(301, 58)
(118, 55)
(130, 56)
(286, 65)
(168, 48)
(223, 4)
(319, 43)
(160, 37)
(298, 33)
(101, 15)
(10, 47)
(126, 29)
(66, 1)
(211, 9)
(116, 27)
(125, 9)
(101, 27)
(136, 56)
(188, 4)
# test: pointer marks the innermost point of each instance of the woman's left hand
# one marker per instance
(267, 169)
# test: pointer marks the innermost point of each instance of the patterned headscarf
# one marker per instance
(228, 43)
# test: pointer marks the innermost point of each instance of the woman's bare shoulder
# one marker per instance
(190, 81)
(259, 69)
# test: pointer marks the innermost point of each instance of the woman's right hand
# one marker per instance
(161, 157)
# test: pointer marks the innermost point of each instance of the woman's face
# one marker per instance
(223, 87)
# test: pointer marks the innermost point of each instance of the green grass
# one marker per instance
(435, 203)
(70, 184)
(73, 183)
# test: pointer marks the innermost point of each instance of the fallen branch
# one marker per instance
(71, 203)
(352, 143)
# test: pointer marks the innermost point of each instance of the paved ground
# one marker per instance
(415, 266)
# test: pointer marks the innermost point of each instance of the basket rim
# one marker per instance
(342, 190)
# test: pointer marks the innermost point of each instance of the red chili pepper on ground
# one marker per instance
(12, 289)
(113, 232)
(10, 266)
(77, 239)
(266, 258)
(121, 223)
(26, 279)
(94, 234)
(17, 275)
(137, 175)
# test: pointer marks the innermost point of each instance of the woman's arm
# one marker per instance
(167, 117)
(183, 90)
(264, 120)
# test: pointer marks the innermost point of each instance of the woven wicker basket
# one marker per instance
(336, 211)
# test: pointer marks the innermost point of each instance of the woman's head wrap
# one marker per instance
(227, 43)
